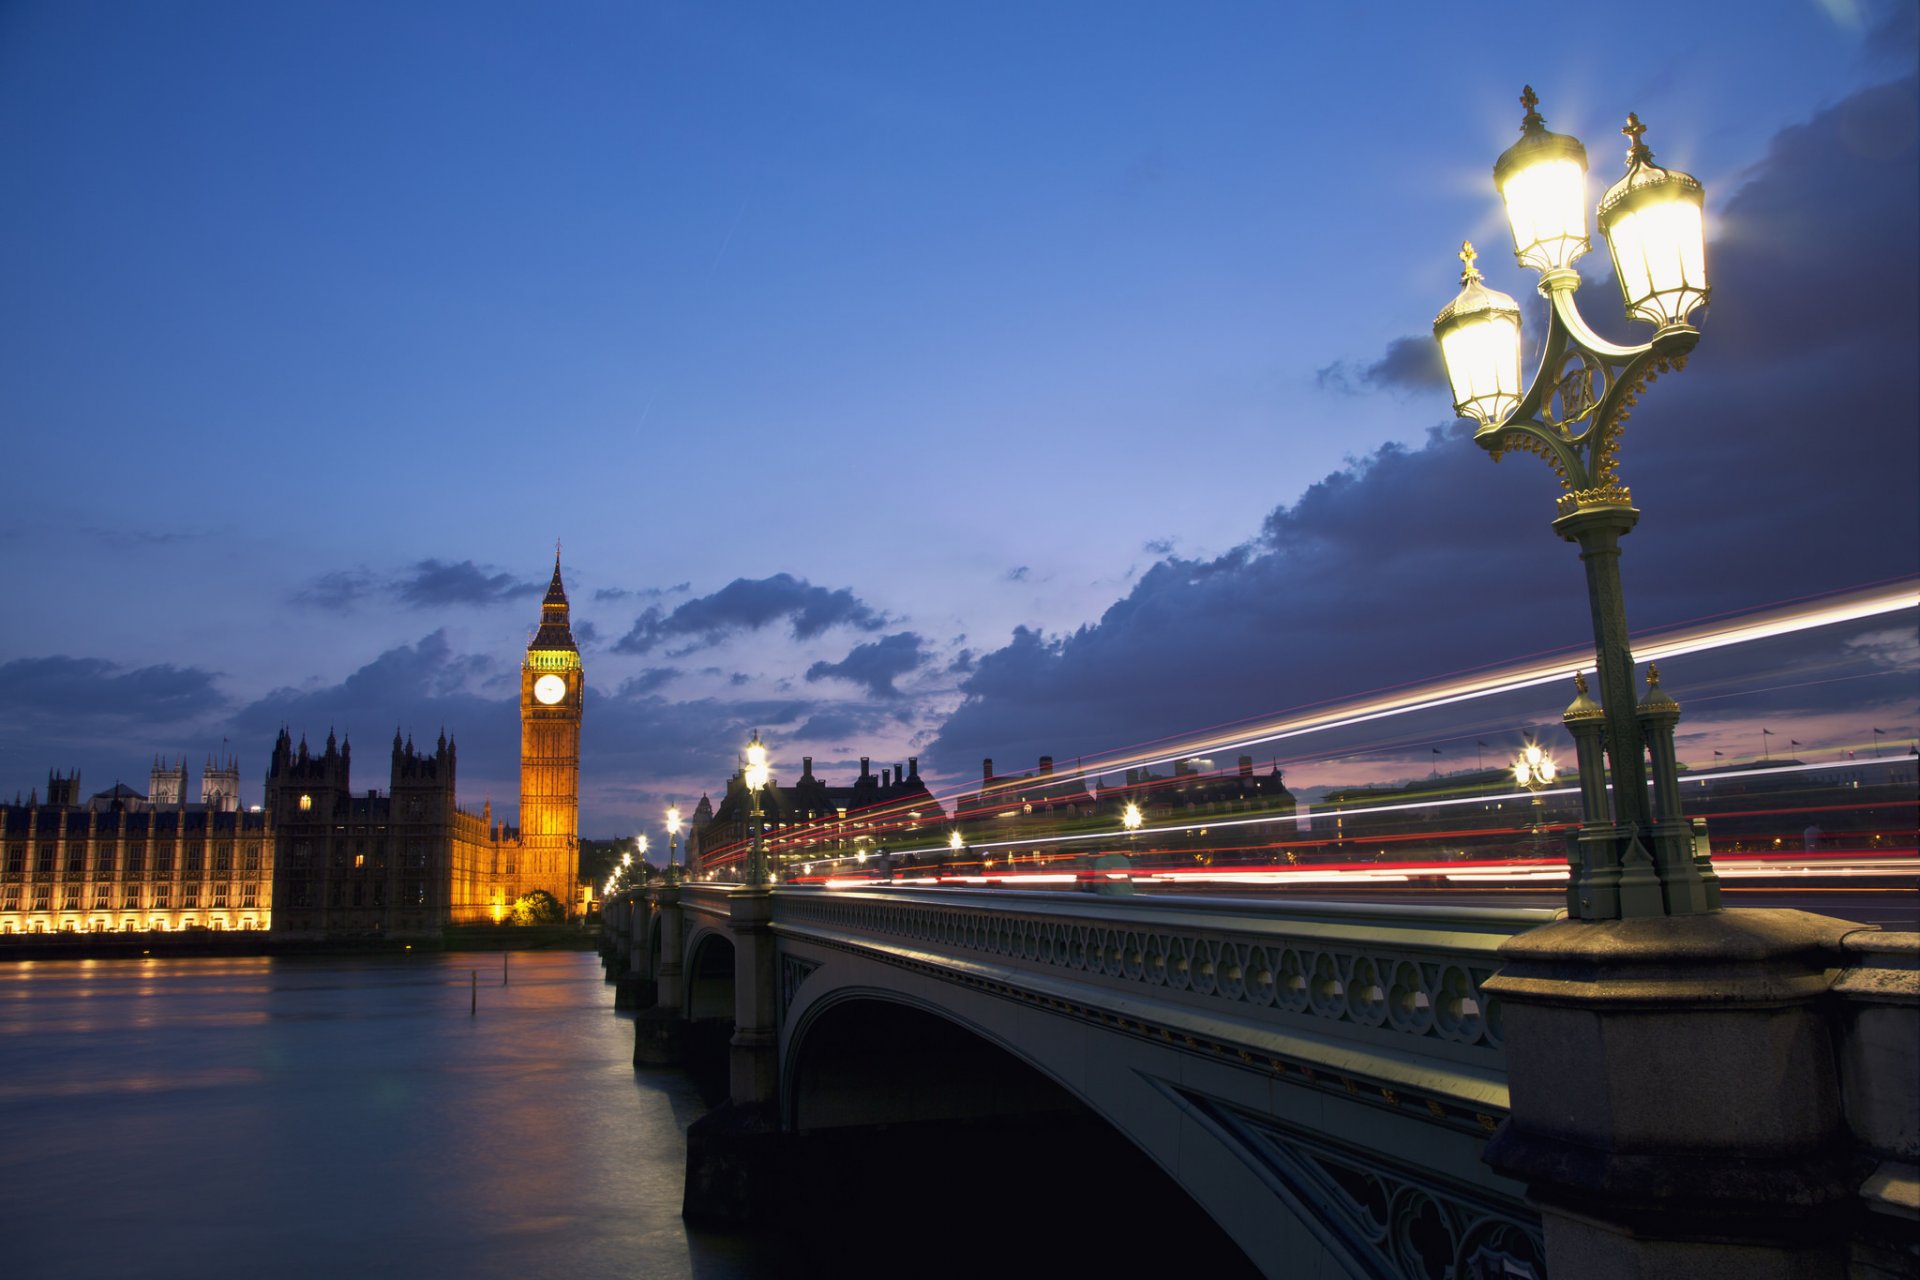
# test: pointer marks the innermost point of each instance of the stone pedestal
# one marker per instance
(1676, 1107)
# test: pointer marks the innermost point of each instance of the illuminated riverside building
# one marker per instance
(411, 862)
(122, 861)
(552, 693)
(813, 819)
(317, 860)
(405, 864)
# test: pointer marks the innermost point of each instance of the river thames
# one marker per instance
(332, 1117)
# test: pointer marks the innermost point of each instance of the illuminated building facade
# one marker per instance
(121, 861)
(813, 819)
(552, 689)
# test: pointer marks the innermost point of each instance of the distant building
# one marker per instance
(316, 859)
(405, 864)
(813, 819)
(122, 861)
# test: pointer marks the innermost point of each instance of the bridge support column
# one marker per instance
(659, 1031)
(612, 924)
(754, 1063)
(1676, 1108)
(735, 1152)
(637, 987)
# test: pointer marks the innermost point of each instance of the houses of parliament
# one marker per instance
(316, 859)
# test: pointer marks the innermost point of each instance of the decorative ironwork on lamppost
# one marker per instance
(1632, 858)
(1534, 769)
(755, 775)
(673, 831)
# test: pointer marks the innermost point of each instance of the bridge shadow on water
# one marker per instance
(921, 1149)
(1056, 1195)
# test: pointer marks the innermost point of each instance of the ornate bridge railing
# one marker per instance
(1370, 996)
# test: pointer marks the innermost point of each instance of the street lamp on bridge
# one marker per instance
(755, 775)
(1634, 859)
(673, 831)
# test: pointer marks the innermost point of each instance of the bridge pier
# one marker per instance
(636, 987)
(1677, 1102)
(735, 1153)
(659, 1029)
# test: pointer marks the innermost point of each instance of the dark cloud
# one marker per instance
(1409, 364)
(749, 605)
(586, 632)
(1159, 547)
(341, 589)
(648, 681)
(48, 689)
(1019, 574)
(641, 593)
(438, 582)
(426, 584)
(842, 724)
(876, 665)
(65, 712)
(1779, 464)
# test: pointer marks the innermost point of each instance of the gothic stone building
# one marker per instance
(317, 859)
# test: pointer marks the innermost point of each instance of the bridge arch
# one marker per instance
(867, 1056)
(709, 974)
(957, 1123)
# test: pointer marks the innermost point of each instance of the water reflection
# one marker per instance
(298, 1117)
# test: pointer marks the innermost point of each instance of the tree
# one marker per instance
(538, 907)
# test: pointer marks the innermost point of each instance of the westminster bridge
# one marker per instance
(1347, 1090)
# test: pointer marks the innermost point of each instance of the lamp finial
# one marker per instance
(1534, 122)
(1580, 681)
(1638, 150)
(1469, 272)
(1653, 676)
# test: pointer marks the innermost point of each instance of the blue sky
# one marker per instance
(951, 380)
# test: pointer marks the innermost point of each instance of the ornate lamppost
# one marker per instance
(1534, 769)
(1633, 859)
(673, 832)
(755, 775)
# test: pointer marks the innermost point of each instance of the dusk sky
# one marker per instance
(951, 380)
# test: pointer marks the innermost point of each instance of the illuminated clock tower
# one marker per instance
(550, 700)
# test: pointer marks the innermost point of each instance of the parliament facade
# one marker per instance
(316, 859)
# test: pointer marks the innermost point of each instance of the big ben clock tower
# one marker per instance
(550, 701)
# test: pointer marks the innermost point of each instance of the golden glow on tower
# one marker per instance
(552, 688)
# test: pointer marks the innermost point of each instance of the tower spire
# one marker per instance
(555, 632)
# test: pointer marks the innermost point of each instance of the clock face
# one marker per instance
(549, 689)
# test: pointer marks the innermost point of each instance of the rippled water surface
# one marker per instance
(328, 1117)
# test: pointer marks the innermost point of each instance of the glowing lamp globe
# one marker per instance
(757, 768)
(673, 820)
(1479, 336)
(1655, 225)
(1522, 774)
(1543, 180)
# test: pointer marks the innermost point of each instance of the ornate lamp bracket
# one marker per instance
(1581, 395)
